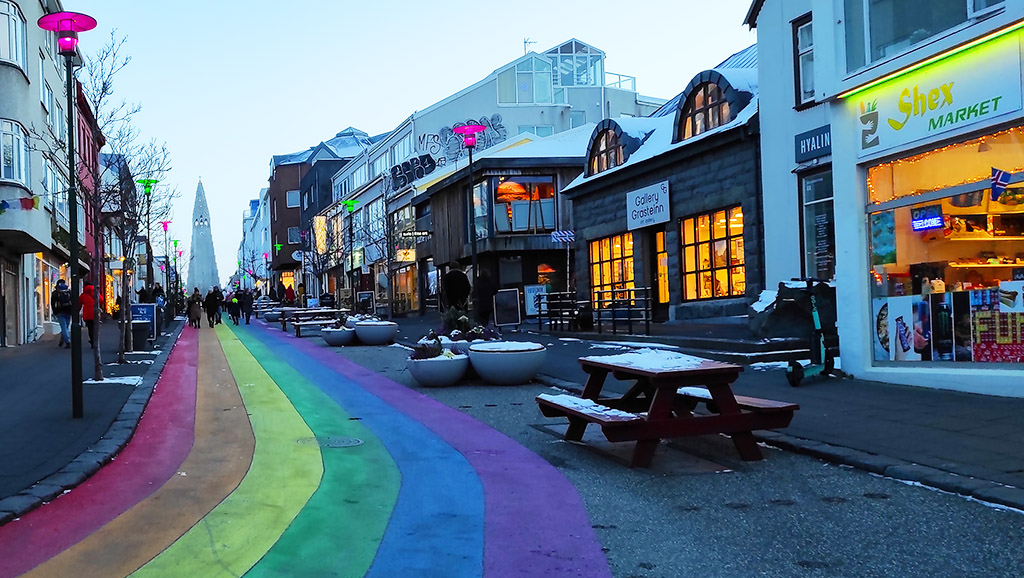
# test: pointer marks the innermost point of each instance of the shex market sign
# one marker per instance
(967, 88)
(647, 206)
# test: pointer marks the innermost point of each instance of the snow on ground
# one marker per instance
(766, 298)
(602, 345)
(769, 365)
(569, 339)
(136, 361)
(127, 380)
(142, 353)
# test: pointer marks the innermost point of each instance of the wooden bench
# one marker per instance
(776, 414)
(568, 405)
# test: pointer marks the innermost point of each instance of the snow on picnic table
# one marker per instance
(652, 360)
(586, 406)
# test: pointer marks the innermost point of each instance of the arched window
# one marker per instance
(705, 109)
(607, 152)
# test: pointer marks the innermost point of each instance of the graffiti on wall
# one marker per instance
(410, 170)
(447, 147)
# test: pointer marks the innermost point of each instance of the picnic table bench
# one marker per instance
(660, 404)
(308, 318)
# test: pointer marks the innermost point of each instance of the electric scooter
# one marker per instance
(822, 361)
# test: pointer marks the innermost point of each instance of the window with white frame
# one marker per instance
(293, 199)
(537, 129)
(340, 189)
(528, 82)
(13, 44)
(880, 29)
(402, 150)
(14, 152)
(294, 236)
(803, 59)
(359, 177)
(380, 165)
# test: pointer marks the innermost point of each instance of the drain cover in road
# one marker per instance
(332, 441)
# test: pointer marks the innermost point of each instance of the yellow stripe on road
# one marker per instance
(283, 476)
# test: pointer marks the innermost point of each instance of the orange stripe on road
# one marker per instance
(219, 459)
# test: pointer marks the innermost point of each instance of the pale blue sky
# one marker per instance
(227, 84)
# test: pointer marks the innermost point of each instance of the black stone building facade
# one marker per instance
(702, 256)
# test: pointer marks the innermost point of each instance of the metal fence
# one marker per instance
(615, 310)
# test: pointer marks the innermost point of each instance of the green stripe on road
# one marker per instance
(340, 529)
(283, 476)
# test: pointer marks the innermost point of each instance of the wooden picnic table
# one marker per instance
(660, 405)
(302, 317)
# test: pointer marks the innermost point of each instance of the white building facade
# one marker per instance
(539, 93)
(895, 119)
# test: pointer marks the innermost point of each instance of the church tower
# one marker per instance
(202, 264)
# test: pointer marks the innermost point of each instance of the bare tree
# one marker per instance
(115, 201)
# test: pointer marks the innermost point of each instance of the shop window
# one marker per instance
(607, 153)
(13, 47)
(819, 237)
(956, 164)
(480, 199)
(661, 253)
(894, 26)
(611, 269)
(705, 109)
(803, 59)
(713, 263)
(524, 204)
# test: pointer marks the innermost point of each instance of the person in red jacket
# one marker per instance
(88, 303)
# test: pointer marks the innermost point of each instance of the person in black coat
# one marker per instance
(245, 301)
(456, 287)
(212, 306)
(484, 291)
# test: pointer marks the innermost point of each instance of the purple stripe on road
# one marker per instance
(536, 523)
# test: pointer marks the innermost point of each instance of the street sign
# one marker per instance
(563, 236)
(297, 255)
(414, 234)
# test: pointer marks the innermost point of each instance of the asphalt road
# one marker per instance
(703, 512)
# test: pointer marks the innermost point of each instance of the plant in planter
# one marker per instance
(431, 365)
(459, 332)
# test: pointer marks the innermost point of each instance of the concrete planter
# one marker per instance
(337, 337)
(507, 362)
(438, 371)
(376, 332)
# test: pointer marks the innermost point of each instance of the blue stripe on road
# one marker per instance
(437, 527)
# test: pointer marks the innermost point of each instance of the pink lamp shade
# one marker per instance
(468, 132)
(67, 25)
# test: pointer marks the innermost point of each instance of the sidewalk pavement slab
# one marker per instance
(954, 441)
(47, 451)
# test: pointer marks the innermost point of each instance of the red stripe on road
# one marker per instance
(161, 443)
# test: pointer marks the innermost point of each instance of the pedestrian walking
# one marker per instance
(87, 301)
(245, 300)
(211, 305)
(195, 308)
(456, 287)
(63, 306)
(220, 302)
(484, 291)
(289, 295)
(234, 309)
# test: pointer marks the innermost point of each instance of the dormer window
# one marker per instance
(705, 109)
(606, 153)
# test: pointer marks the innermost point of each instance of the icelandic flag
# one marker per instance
(1000, 179)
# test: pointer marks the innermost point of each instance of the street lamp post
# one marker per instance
(167, 269)
(469, 132)
(67, 25)
(147, 188)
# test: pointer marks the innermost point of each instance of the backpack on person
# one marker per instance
(64, 301)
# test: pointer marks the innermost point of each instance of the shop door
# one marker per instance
(9, 303)
(659, 266)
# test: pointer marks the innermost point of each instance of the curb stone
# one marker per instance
(984, 490)
(103, 451)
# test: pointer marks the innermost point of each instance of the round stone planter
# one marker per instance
(336, 337)
(376, 332)
(272, 316)
(438, 371)
(507, 362)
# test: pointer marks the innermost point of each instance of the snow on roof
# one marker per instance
(744, 59)
(345, 145)
(660, 142)
(570, 143)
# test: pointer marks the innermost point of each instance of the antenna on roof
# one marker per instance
(526, 45)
